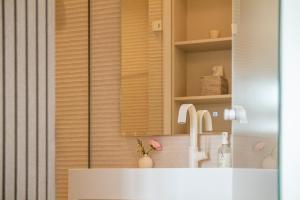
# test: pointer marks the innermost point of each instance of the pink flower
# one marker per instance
(155, 145)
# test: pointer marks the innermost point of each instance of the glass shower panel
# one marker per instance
(255, 87)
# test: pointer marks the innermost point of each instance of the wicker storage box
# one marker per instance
(213, 85)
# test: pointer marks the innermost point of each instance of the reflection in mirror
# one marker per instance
(141, 67)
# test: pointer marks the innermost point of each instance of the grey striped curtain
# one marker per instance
(27, 100)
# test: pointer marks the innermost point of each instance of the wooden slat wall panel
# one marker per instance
(42, 99)
(142, 68)
(134, 70)
(155, 76)
(32, 99)
(10, 99)
(24, 96)
(1, 101)
(22, 99)
(51, 192)
(108, 147)
(71, 90)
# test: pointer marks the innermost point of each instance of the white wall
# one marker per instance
(290, 96)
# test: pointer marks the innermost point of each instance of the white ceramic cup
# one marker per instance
(214, 34)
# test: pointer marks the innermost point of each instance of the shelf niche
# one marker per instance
(194, 54)
(193, 19)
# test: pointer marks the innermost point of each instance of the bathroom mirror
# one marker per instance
(144, 76)
(119, 85)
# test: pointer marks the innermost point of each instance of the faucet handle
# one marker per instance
(238, 113)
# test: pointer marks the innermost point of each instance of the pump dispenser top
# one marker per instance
(225, 138)
(224, 152)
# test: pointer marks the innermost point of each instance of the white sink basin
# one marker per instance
(163, 184)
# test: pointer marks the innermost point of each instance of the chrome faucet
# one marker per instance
(194, 154)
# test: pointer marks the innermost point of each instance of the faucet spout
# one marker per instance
(207, 119)
(182, 115)
(183, 110)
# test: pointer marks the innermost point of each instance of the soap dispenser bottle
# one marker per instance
(224, 152)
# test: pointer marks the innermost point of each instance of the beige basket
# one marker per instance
(213, 85)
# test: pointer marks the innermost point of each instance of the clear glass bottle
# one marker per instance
(225, 153)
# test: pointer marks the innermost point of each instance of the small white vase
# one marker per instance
(145, 162)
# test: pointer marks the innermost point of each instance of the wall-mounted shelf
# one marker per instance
(226, 98)
(205, 45)
(213, 133)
